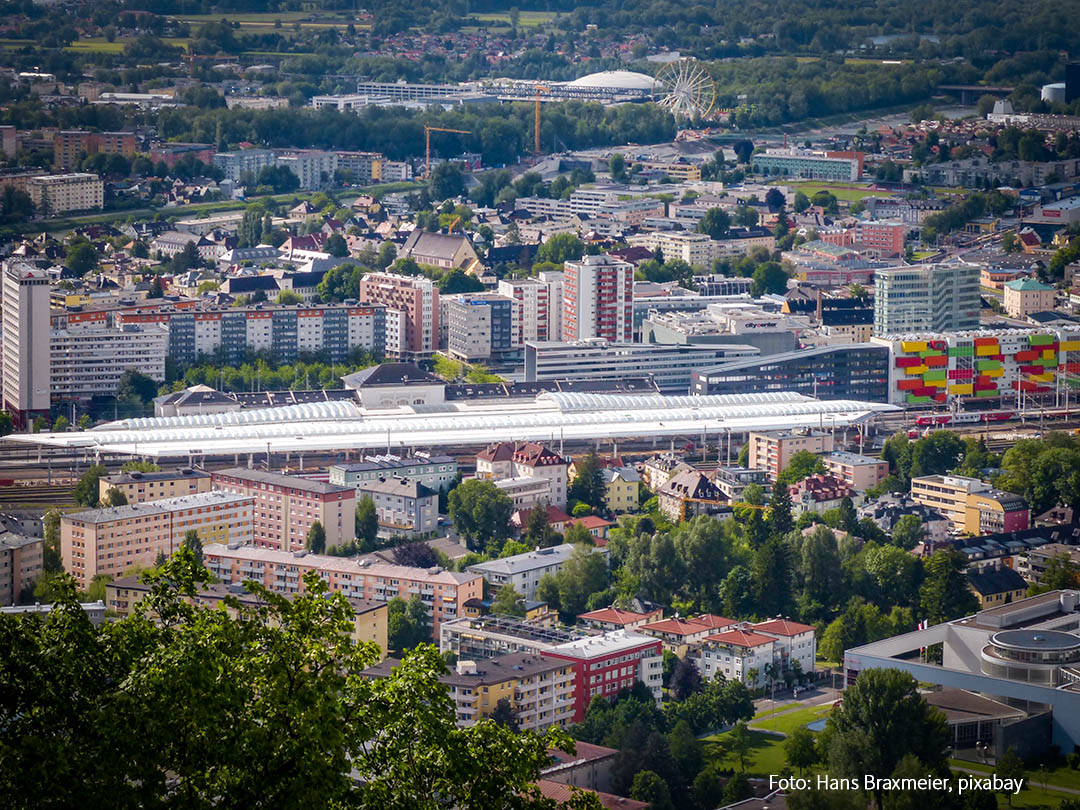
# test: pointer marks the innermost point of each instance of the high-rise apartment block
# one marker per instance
(25, 349)
(59, 193)
(418, 299)
(533, 297)
(482, 326)
(598, 299)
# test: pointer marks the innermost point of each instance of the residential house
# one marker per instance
(690, 493)
(404, 506)
(996, 584)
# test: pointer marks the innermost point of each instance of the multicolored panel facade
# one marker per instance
(981, 365)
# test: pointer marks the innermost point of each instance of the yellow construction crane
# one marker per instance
(427, 138)
(536, 125)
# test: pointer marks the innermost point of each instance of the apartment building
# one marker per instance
(89, 362)
(244, 162)
(540, 690)
(695, 249)
(678, 635)
(482, 326)
(883, 238)
(70, 146)
(613, 618)
(858, 472)
(21, 559)
(598, 299)
(524, 571)
(284, 331)
(286, 507)
(139, 487)
(795, 645)
(60, 193)
(735, 654)
(689, 493)
(109, 541)
(971, 505)
(608, 663)
(25, 347)
(772, 451)
(1032, 564)
(9, 141)
(554, 280)
(365, 167)
(926, 298)
(434, 472)
(313, 168)
(404, 506)
(534, 305)
(483, 637)
(443, 593)
(369, 616)
(418, 299)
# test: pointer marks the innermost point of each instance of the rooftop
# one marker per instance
(161, 475)
(529, 561)
(279, 480)
(782, 627)
(196, 501)
(613, 615)
(606, 644)
(740, 638)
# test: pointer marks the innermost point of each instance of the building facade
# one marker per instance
(926, 298)
(443, 593)
(418, 299)
(60, 193)
(286, 507)
(89, 362)
(606, 664)
(404, 506)
(434, 472)
(482, 326)
(598, 295)
(27, 377)
(971, 505)
(21, 562)
(139, 487)
(109, 541)
(772, 451)
(533, 307)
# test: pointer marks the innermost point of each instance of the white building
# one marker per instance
(794, 643)
(89, 361)
(60, 193)
(525, 492)
(246, 161)
(554, 280)
(534, 309)
(524, 571)
(481, 326)
(25, 349)
(737, 654)
(525, 460)
(313, 168)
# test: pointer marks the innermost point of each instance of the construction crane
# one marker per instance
(536, 140)
(427, 138)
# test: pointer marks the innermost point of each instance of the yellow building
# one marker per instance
(621, 486)
(140, 487)
(540, 690)
(369, 616)
(995, 585)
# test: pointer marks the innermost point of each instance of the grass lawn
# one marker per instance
(787, 723)
(102, 45)
(766, 753)
(923, 254)
(528, 18)
(841, 192)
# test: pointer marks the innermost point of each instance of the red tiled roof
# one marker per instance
(613, 615)
(563, 793)
(594, 522)
(714, 621)
(782, 627)
(741, 638)
(678, 627)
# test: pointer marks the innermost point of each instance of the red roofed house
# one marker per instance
(717, 624)
(525, 460)
(737, 655)
(677, 634)
(795, 643)
(596, 526)
(819, 493)
(563, 793)
(557, 519)
(612, 618)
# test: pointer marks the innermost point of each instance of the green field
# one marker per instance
(101, 45)
(843, 192)
(766, 753)
(528, 18)
(785, 723)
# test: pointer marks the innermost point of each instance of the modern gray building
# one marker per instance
(926, 298)
(404, 507)
(236, 164)
(670, 366)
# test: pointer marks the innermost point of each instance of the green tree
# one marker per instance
(1010, 766)
(583, 574)
(937, 453)
(560, 248)
(51, 560)
(316, 538)
(480, 512)
(649, 786)
(508, 602)
(407, 623)
(139, 466)
(447, 181)
(86, 492)
(115, 497)
(40, 425)
(822, 573)
(387, 254)
(588, 484)
(802, 202)
(882, 719)
(193, 543)
(715, 223)
(772, 573)
(504, 715)
(769, 277)
(84, 423)
(288, 298)
(302, 729)
(617, 167)
(945, 594)
(367, 522)
(80, 257)
(802, 464)
(61, 424)
(780, 521)
(336, 245)
(908, 532)
(7, 426)
(799, 749)
(537, 531)
(740, 744)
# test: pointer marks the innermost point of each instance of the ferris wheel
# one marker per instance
(685, 89)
